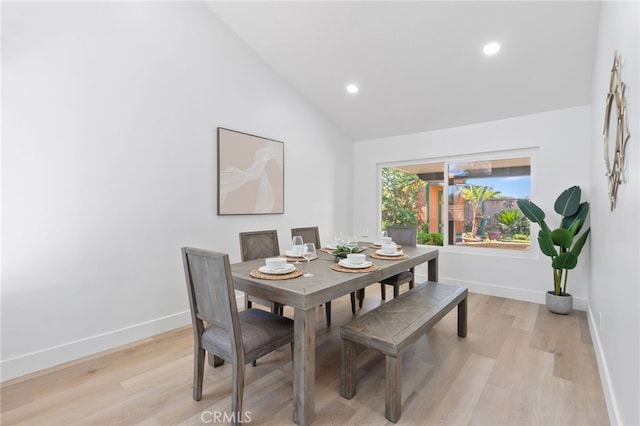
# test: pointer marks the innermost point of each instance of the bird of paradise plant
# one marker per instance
(573, 215)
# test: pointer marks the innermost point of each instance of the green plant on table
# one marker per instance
(573, 215)
(342, 251)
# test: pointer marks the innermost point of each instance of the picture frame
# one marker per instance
(250, 174)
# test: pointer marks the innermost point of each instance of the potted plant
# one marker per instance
(559, 243)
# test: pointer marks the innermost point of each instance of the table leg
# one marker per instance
(304, 359)
(432, 272)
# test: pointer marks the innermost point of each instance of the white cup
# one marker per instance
(389, 248)
(276, 263)
(356, 258)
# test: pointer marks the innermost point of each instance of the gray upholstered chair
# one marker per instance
(312, 235)
(260, 245)
(407, 237)
(218, 327)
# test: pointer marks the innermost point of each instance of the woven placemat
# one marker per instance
(293, 274)
(294, 258)
(339, 268)
(382, 256)
(378, 246)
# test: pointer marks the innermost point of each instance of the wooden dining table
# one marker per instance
(304, 294)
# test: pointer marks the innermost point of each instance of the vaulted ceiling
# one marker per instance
(419, 65)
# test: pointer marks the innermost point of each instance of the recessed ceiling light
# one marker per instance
(352, 88)
(491, 48)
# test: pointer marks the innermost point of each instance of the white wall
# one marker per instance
(562, 159)
(109, 117)
(614, 294)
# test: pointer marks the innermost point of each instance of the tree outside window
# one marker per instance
(482, 209)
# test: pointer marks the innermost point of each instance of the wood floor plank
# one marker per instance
(518, 365)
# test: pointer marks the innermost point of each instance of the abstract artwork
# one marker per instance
(250, 174)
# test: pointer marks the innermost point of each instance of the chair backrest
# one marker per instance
(211, 293)
(404, 235)
(259, 245)
(309, 235)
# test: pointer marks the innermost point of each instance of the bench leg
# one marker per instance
(393, 388)
(462, 318)
(348, 376)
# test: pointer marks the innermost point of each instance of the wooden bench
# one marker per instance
(392, 328)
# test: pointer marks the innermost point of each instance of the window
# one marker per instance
(480, 209)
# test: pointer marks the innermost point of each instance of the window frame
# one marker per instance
(531, 153)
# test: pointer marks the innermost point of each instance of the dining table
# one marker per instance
(305, 294)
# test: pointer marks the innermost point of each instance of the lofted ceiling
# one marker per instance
(419, 64)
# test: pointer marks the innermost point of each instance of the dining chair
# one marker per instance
(407, 237)
(219, 329)
(260, 245)
(311, 234)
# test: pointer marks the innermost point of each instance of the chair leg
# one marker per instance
(396, 290)
(214, 360)
(276, 308)
(237, 390)
(327, 310)
(198, 372)
(383, 292)
(247, 302)
(353, 303)
(360, 297)
(217, 361)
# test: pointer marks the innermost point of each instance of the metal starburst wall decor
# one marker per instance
(616, 96)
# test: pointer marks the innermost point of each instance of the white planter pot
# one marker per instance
(559, 304)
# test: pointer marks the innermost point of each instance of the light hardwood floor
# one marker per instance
(518, 365)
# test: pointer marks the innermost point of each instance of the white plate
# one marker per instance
(292, 253)
(347, 264)
(332, 246)
(286, 270)
(381, 253)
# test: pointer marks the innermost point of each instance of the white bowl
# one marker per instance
(276, 263)
(389, 248)
(386, 240)
(356, 258)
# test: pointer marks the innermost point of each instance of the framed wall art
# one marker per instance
(250, 174)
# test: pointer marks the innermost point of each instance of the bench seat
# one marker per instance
(392, 328)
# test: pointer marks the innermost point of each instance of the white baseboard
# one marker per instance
(579, 303)
(50, 357)
(605, 377)
(71, 351)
